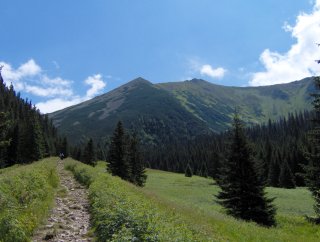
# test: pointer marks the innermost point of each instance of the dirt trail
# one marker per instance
(69, 220)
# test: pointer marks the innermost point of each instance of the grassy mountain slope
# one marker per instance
(154, 112)
(162, 112)
(215, 104)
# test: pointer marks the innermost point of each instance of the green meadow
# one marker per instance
(194, 199)
(171, 207)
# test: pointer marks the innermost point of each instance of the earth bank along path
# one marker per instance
(69, 220)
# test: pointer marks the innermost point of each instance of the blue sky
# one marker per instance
(58, 53)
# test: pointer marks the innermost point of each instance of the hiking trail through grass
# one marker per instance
(70, 218)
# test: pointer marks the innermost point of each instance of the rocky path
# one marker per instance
(69, 220)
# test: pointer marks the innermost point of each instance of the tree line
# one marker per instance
(278, 148)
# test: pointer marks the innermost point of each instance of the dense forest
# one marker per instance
(26, 135)
(278, 150)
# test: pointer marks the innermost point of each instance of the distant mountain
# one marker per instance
(181, 110)
(215, 104)
(154, 112)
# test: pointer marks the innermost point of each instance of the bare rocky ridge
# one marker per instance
(70, 219)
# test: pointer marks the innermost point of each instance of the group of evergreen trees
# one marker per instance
(86, 153)
(278, 148)
(123, 154)
(25, 134)
(125, 158)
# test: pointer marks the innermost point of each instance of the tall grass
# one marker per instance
(26, 194)
(122, 212)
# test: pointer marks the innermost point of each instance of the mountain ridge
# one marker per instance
(179, 110)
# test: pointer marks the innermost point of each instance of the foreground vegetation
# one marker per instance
(173, 207)
(193, 198)
(26, 194)
(123, 212)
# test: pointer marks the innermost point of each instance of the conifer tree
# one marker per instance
(242, 192)
(65, 147)
(137, 168)
(274, 171)
(4, 142)
(312, 170)
(188, 172)
(286, 178)
(89, 156)
(117, 155)
(4, 126)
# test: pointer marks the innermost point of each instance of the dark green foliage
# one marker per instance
(4, 126)
(125, 157)
(32, 135)
(286, 178)
(312, 170)
(188, 172)
(89, 154)
(136, 162)
(274, 173)
(242, 192)
(272, 143)
(118, 156)
(65, 147)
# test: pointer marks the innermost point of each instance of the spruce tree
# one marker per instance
(117, 155)
(136, 163)
(188, 172)
(242, 192)
(4, 127)
(65, 147)
(4, 142)
(274, 170)
(312, 170)
(89, 156)
(286, 178)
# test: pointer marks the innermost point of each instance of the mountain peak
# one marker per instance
(139, 80)
(196, 80)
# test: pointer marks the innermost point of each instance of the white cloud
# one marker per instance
(208, 70)
(196, 66)
(97, 84)
(298, 62)
(30, 68)
(55, 104)
(48, 92)
(56, 93)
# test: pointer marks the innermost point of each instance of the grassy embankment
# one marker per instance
(174, 208)
(26, 194)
